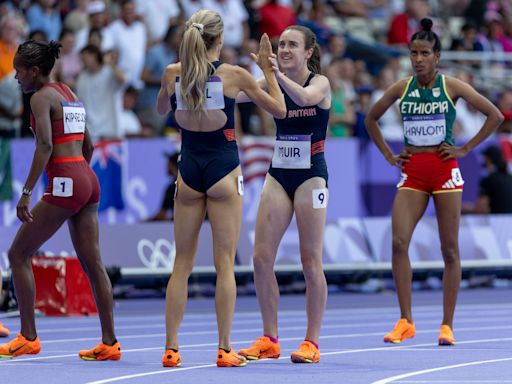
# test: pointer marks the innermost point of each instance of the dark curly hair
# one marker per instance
(39, 54)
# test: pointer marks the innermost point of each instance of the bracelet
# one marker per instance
(26, 192)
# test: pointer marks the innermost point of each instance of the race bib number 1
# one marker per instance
(62, 187)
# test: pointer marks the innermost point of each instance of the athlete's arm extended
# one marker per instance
(318, 90)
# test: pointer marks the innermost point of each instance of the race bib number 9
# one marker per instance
(62, 187)
(73, 117)
(320, 198)
(425, 129)
(292, 152)
(213, 93)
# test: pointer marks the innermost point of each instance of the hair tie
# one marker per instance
(200, 27)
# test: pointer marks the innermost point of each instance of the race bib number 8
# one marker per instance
(62, 187)
(320, 198)
(73, 117)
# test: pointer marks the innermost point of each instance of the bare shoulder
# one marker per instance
(457, 87)
(171, 71)
(232, 71)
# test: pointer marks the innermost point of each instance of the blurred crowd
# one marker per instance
(114, 53)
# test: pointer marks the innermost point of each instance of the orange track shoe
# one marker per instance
(263, 348)
(102, 352)
(230, 359)
(403, 330)
(4, 332)
(446, 336)
(171, 359)
(307, 353)
(20, 346)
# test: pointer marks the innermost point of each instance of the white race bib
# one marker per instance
(213, 93)
(292, 152)
(73, 117)
(62, 187)
(425, 129)
(320, 198)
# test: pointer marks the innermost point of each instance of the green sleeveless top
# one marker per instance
(427, 114)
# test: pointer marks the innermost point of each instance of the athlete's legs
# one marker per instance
(47, 220)
(189, 211)
(448, 207)
(83, 229)
(408, 208)
(274, 215)
(224, 207)
(311, 225)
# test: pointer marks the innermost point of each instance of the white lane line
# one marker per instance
(438, 369)
(282, 329)
(454, 381)
(143, 374)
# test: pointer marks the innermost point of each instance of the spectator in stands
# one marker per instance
(495, 195)
(69, 65)
(429, 167)
(335, 49)
(390, 122)
(361, 107)
(210, 177)
(11, 101)
(158, 16)
(129, 122)
(98, 21)
(342, 116)
(505, 107)
(274, 18)
(469, 119)
(44, 15)
(167, 205)
(99, 87)
(403, 25)
(130, 38)
(235, 17)
(158, 58)
(78, 18)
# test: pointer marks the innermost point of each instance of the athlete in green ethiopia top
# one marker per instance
(429, 167)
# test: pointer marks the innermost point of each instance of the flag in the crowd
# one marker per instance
(5, 170)
(255, 156)
(107, 163)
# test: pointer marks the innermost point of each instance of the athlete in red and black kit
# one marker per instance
(64, 149)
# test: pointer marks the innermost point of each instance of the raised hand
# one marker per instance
(264, 54)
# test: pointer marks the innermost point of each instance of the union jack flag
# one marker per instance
(107, 162)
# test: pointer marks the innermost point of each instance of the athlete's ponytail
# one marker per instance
(202, 30)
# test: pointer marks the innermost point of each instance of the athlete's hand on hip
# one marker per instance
(451, 152)
(23, 209)
(400, 159)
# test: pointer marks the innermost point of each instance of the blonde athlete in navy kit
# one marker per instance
(429, 167)
(296, 183)
(202, 90)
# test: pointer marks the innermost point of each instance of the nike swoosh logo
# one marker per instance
(13, 351)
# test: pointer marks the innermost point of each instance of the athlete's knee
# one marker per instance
(311, 263)
(17, 257)
(263, 261)
(450, 253)
(399, 245)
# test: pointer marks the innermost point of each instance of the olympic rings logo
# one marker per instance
(160, 254)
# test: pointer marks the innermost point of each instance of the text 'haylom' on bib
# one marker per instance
(213, 93)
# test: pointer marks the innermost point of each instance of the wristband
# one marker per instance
(26, 192)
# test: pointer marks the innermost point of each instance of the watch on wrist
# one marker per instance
(26, 192)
